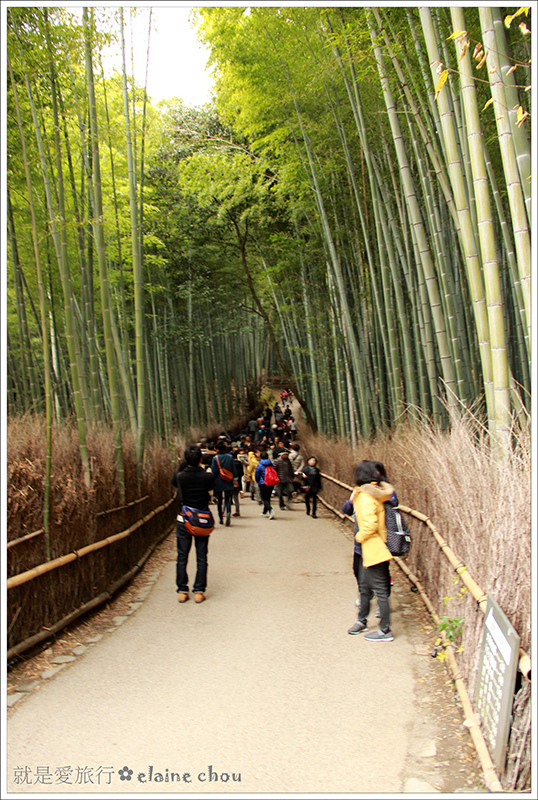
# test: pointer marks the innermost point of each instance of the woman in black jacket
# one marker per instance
(312, 478)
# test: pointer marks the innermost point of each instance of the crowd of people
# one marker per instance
(266, 464)
(263, 462)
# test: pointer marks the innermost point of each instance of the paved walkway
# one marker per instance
(258, 690)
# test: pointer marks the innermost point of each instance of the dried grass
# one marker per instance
(73, 506)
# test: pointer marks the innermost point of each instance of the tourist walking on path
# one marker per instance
(278, 447)
(267, 417)
(223, 468)
(243, 458)
(293, 428)
(253, 461)
(237, 453)
(194, 485)
(284, 470)
(373, 566)
(252, 426)
(312, 478)
(297, 462)
(265, 491)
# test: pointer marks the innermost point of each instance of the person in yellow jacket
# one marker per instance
(374, 575)
(253, 461)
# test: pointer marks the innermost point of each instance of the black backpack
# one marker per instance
(398, 534)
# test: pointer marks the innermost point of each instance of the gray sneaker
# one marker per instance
(358, 627)
(379, 636)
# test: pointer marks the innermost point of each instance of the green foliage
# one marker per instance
(451, 626)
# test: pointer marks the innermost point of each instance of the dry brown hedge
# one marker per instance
(76, 518)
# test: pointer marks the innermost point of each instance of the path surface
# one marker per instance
(261, 682)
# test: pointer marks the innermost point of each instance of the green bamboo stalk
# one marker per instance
(486, 233)
(473, 264)
(98, 231)
(520, 135)
(43, 320)
(55, 223)
(511, 172)
(418, 227)
(138, 277)
(29, 382)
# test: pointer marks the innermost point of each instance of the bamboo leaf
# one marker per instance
(465, 46)
(490, 101)
(441, 82)
(521, 116)
(523, 10)
(457, 34)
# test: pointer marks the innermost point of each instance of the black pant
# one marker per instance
(311, 496)
(184, 543)
(266, 492)
(376, 580)
(358, 571)
(227, 493)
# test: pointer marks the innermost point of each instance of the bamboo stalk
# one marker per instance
(46, 342)
(25, 538)
(98, 232)
(138, 278)
(41, 569)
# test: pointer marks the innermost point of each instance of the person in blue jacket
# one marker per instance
(224, 488)
(265, 491)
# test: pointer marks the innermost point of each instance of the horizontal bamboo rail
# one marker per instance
(28, 536)
(121, 508)
(25, 538)
(47, 633)
(48, 566)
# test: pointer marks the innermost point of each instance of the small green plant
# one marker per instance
(451, 626)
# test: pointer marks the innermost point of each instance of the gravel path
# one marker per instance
(258, 690)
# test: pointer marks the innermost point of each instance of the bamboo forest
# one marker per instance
(352, 213)
(348, 216)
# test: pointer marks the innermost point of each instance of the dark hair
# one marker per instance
(263, 455)
(192, 455)
(365, 472)
(380, 470)
(222, 445)
(295, 446)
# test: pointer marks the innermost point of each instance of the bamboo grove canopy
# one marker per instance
(352, 212)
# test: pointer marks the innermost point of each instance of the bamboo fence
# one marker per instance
(44, 599)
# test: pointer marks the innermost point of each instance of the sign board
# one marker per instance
(494, 694)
